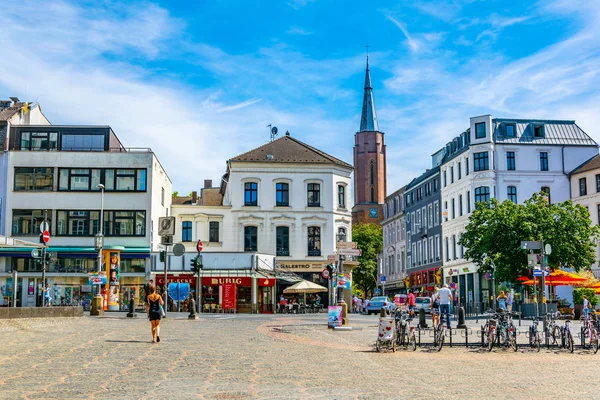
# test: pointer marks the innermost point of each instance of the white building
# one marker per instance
(585, 190)
(392, 262)
(55, 172)
(504, 159)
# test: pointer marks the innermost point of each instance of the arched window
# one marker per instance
(482, 194)
(372, 194)
(372, 173)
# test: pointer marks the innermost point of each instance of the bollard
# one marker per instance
(422, 322)
(466, 337)
(132, 313)
(519, 319)
(192, 309)
(582, 334)
(382, 312)
(97, 305)
(450, 329)
(461, 318)
(419, 329)
(482, 336)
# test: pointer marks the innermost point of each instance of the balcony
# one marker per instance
(314, 253)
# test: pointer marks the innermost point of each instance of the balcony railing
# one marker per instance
(314, 253)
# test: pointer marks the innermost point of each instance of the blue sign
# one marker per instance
(382, 278)
(377, 291)
(179, 291)
(538, 272)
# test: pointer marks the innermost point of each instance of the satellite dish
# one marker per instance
(274, 130)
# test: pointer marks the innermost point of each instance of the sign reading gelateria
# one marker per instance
(302, 267)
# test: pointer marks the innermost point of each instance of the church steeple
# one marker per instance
(368, 118)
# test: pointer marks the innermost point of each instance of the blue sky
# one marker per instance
(199, 81)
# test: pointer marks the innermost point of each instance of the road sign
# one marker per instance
(178, 250)
(377, 291)
(199, 246)
(325, 273)
(349, 252)
(548, 248)
(382, 278)
(538, 272)
(532, 259)
(166, 226)
(331, 257)
(44, 226)
(528, 245)
(46, 236)
(346, 245)
(35, 253)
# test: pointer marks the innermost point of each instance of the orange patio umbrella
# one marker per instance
(557, 278)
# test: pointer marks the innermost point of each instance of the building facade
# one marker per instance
(424, 229)
(55, 175)
(392, 261)
(369, 162)
(585, 191)
(507, 159)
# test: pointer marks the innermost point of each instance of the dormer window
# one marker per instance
(480, 130)
(510, 130)
(538, 131)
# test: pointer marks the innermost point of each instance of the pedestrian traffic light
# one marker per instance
(162, 256)
(195, 264)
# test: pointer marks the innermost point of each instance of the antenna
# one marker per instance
(272, 132)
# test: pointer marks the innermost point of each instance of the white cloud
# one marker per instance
(295, 30)
(412, 43)
(239, 105)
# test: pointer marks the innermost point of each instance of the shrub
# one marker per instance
(578, 294)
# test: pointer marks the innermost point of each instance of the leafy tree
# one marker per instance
(590, 293)
(495, 232)
(175, 193)
(369, 238)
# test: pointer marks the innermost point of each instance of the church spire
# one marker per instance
(368, 118)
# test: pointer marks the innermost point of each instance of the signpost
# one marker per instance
(346, 245)
(350, 252)
(331, 258)
(46, 236)
(544, 249)
(199, 246)
(539, 272)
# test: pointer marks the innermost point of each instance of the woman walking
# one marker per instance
(153, 308)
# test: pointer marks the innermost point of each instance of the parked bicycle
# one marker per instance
(589, 335)
(405, 334)
(535, 341)
(553, 330)
(440, 331)
(500, 328)
(567, 337)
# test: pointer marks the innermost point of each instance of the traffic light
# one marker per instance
(196, 265)
(331, 269)
(162, 256)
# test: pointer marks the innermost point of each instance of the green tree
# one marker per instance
(495, 232)
(590, 293)
(368, 238)
(175, 193)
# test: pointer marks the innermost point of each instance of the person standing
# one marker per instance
(502, 300)
(47, 296)
(586, 307)
(412, 305)
(445, 297)
(509, 301)
(435, 308)
(153, 308)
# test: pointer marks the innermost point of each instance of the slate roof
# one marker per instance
(368, 117)
(287, 149)
(556, 132)
(8, 112)
(591, 164)
(424, 176)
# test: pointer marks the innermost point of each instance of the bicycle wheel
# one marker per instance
(537, 342)
(594, 341)
(485, 332)
(569, 342)
(399, 336)
(513, 342)
(412, 342)
(555, 336)
(491, 339)
(440, 339)
(378, 345)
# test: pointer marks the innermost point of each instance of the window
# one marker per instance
(162, 196)
(282, 198)
(419, 253)
(582, 187)
(512, 193)
(480, 130)
(510, 160)
(467, 166)
(372, 173)
(251, 195)
(125, 180)
(460, 205)
(372, 194)
(468, 201)
(341, 237)
(510, 130)
(86, 223)
(482, 194)
(598, 183)
(598, 213)
(27, 222)
(314, 241)
(451, 174)
(314, 195)
(445, 179)
(543, 161)
(430, 209)
(34, 179)
(213, 231)
(435, 185)
(546, 191)
(481, 161)
(39, 141)
(454, 247)
(437, 213)
(250, 237)
(446, 210)
(186, 231)
(71, 179)
(438, 246)
(447, 250)
(82, 142)
(538, 131)
(342, 198)
(453, 213)
(459, 170)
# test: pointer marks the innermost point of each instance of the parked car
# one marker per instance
(424, 303)
(400, 300)
(376, 303)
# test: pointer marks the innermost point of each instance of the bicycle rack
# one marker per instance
(466, 336)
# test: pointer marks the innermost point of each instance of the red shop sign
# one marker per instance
(239, 281)
(229, 296)
(191, 279)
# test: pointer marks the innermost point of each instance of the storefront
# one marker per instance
(235, 293)
(424, 282)
(468, 288)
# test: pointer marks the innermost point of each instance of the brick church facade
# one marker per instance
(369, 163)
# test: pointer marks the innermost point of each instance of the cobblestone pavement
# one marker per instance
(266, 357)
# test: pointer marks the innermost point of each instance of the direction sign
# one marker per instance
(44, 226)
(538, 272)
(528, 245)
(349, 252)
(199, 246)
(46, 236)
(346, 245)
(382, 278)
(331, 257)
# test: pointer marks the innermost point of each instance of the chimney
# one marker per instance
(194, 197)
(207, 183)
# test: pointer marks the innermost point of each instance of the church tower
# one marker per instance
(369, 162)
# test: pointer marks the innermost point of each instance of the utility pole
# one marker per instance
(44, 250)
(543, 280)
